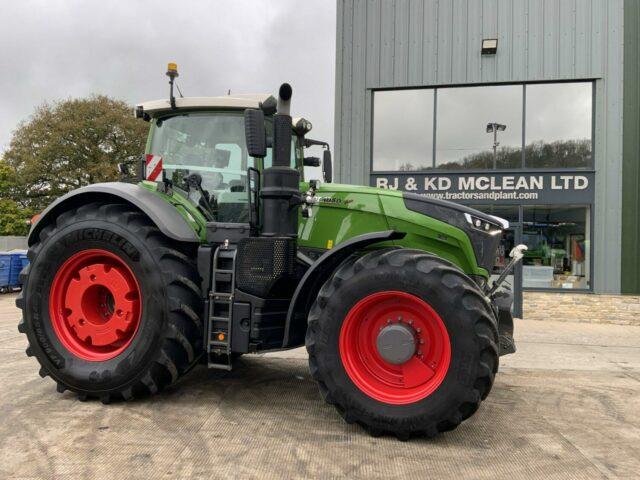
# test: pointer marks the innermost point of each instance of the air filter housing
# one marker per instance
(265, 266)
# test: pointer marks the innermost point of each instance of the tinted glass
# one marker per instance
(559, 245)
(558, 125)
(212, 145)
(403, 130)
(463, 116)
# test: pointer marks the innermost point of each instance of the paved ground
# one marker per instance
(566, 406)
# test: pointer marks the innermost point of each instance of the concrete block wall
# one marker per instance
(12, 243)
(618, 309)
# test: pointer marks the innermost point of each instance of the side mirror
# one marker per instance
(255, 133)
(327, 166)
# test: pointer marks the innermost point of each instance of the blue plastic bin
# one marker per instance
(11, 264)
(5, 269)
(17, 258)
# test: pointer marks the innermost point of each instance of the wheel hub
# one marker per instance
(394, 347)
(396, 343)
(95, 305)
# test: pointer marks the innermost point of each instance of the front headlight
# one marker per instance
(485, 226)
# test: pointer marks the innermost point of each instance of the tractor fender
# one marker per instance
(317, 274)
(164, 215)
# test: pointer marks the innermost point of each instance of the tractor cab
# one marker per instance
(206, 136)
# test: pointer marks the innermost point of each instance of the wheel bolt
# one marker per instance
(420, 352)
(421, 342)
(418, 330)
(410, 322)
(399, 318)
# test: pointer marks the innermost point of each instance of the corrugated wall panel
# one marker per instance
(519, 48)
(505, 38)
(346, 85)
(416, 32)
(598, 37)
(535, 40)
(489, 30)
(631, 150)
(607, 226)
(430, 42)
(338, 124)
(551, 39)
(401, 43)
(459, 42)
(408, 43)
(474, 41)
(583, 38)
(387, 42)
(358, 77)
(373, 43)
(445, 41)
(567, 39)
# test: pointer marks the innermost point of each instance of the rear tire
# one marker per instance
(459, 335)
(157, 282)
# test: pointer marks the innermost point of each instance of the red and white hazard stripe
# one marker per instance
(153, 167)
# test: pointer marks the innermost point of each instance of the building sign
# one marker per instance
(507, 188)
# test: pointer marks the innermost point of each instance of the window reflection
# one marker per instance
(403, 130)
(558, 125)
(463, 139)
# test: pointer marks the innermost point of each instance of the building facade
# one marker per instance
(527, 109)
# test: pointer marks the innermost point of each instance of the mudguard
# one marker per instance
(316, 275)
(163, 214)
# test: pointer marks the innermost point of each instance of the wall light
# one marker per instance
(489, 46)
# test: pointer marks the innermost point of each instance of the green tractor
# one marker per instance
(216, 247)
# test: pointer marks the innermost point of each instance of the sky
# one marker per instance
(58, 49)
(404, 120)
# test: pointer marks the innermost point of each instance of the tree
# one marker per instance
(14, 220)
(70, 144)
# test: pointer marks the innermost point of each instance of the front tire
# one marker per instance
(453, 354)
(111, 307)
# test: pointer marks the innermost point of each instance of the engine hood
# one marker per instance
(484, 231)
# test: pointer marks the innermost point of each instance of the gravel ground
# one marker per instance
(565, 406)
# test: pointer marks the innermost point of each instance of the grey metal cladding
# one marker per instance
(417, 43)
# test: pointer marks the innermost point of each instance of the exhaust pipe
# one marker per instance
(284, 99)
(280, 193)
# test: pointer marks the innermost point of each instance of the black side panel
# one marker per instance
(317, 274)
(241, 327)
(267, 323)
(205, 262)
(163, 215)
(484, 245)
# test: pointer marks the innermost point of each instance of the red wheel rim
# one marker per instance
(411, 381)
(94, 305)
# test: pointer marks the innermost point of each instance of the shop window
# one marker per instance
(464, 139)
(559, 247)
(558, 125)
(403, 130)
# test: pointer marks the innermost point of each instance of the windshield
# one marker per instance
(213, 145)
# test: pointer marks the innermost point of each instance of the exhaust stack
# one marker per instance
(280, 194)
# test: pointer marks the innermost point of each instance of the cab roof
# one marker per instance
(227, 102)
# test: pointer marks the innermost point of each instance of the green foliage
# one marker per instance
(559, 154)
(70, 144)
(14, 220)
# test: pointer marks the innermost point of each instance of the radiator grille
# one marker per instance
(265, 266)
